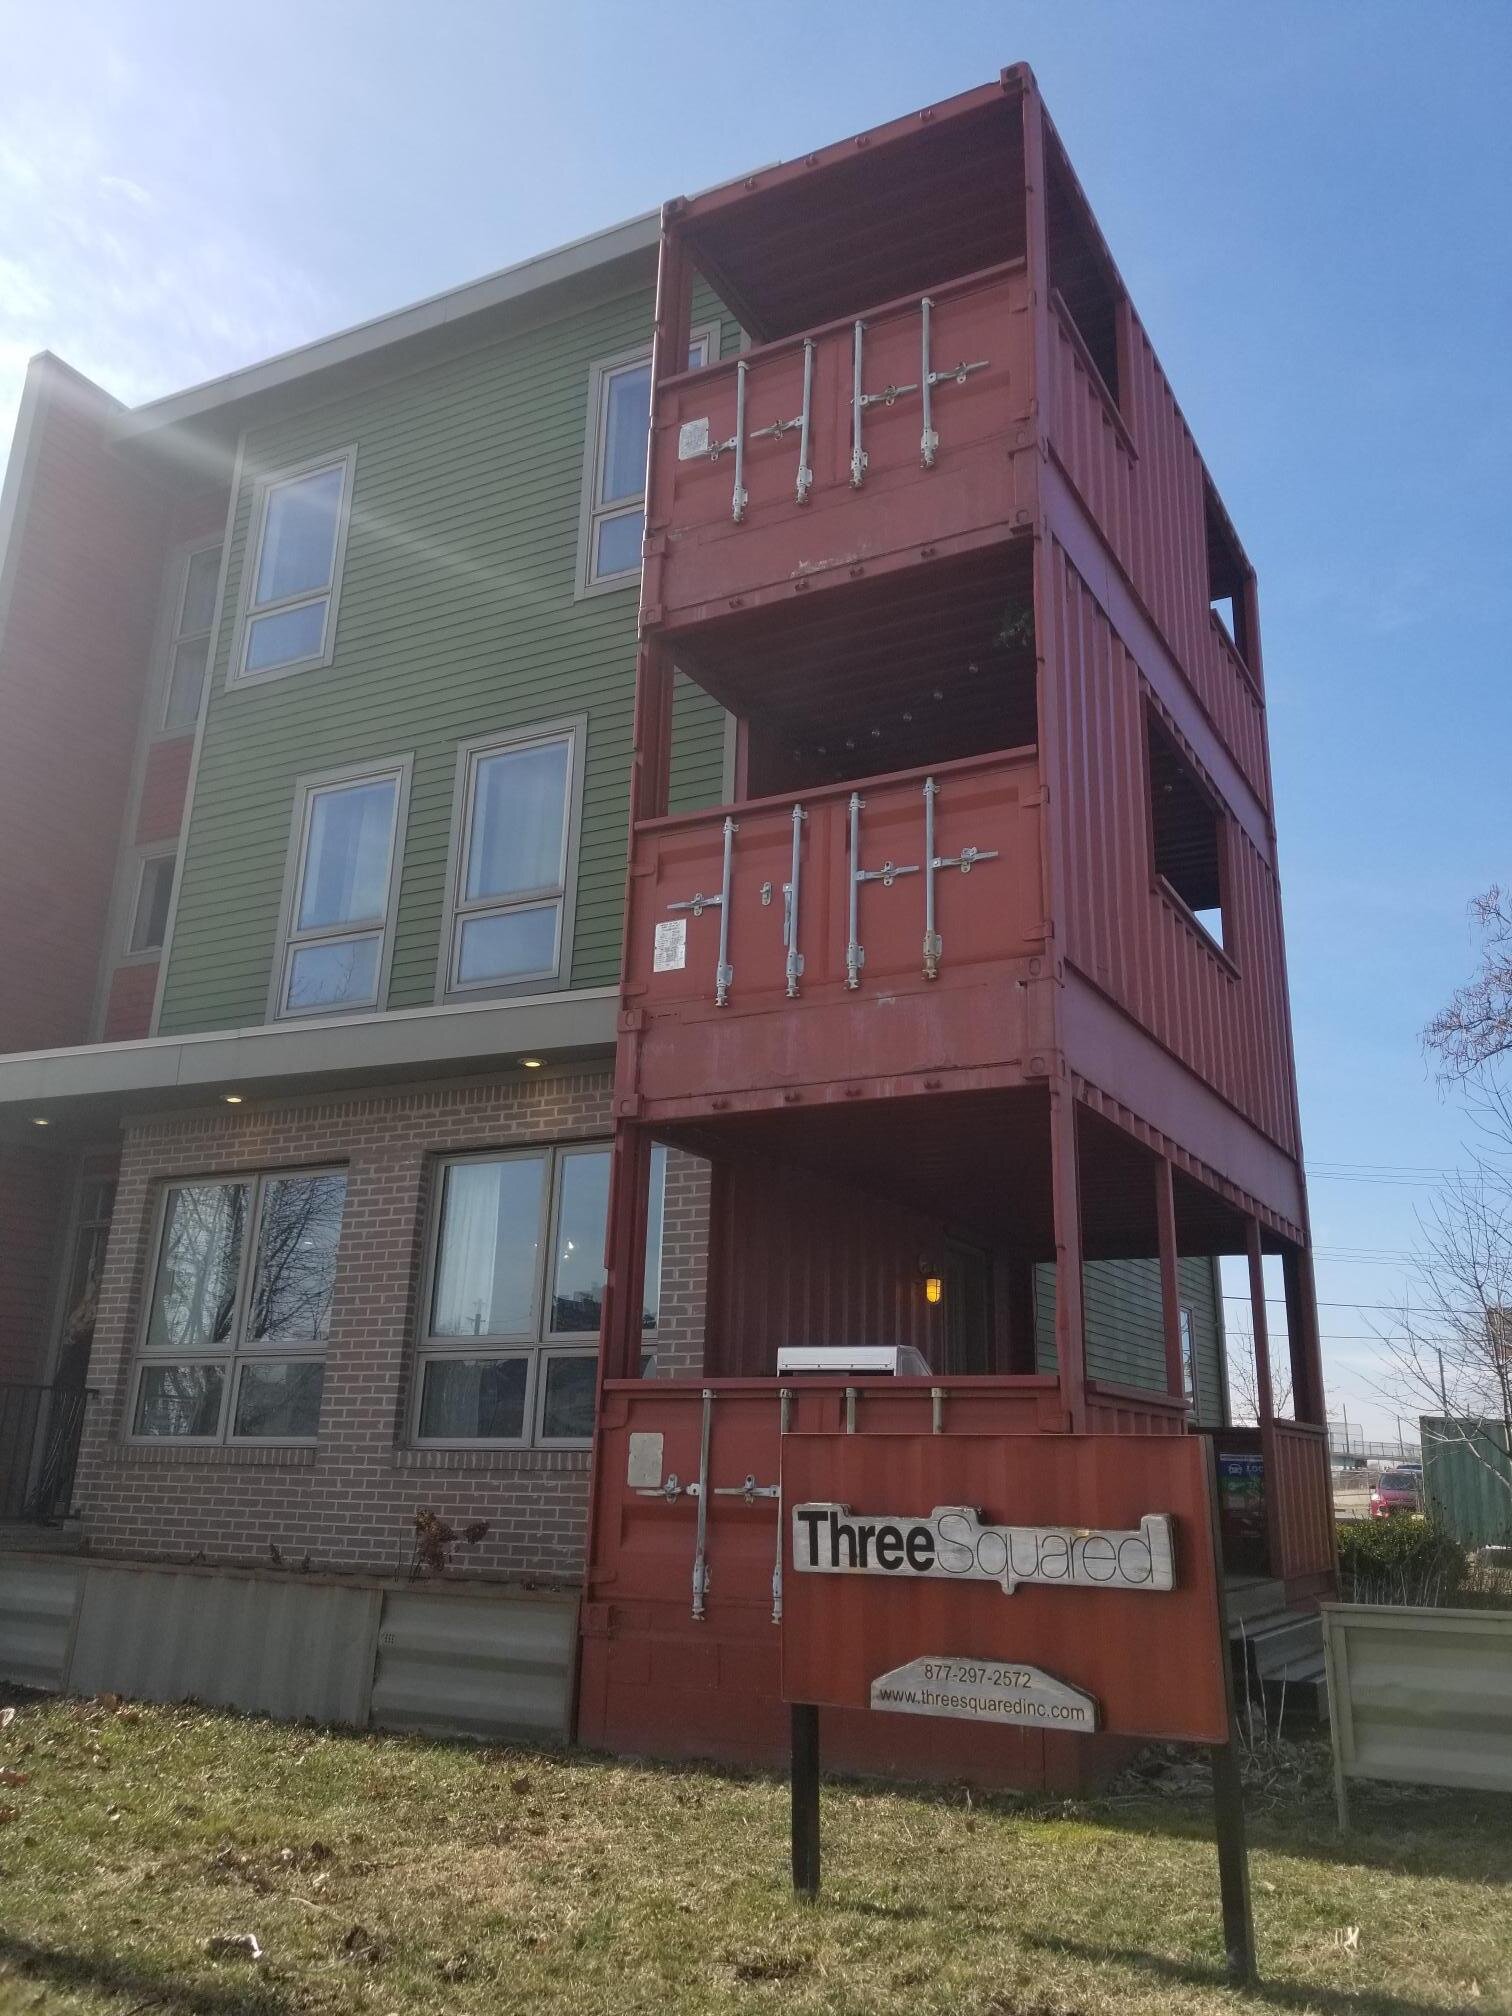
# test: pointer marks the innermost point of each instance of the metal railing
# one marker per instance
(40, 1431)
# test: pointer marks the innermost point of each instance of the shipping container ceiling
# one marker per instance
(869, 227)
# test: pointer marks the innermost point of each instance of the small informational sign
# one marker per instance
(692, 440)
(670, 954)
(1004, 1691)
(953, 1544)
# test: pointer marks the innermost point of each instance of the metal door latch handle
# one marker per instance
(750, 1490)
(669, 1489)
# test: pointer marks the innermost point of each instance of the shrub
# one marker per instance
(1400, 1560)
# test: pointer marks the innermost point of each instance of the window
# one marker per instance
(1230, 586)
(1187, 830)
(619, 419)
(289, 592)
(335, 943)
(515, 1295)
(514, 844)
(1189, 1357)
(149, 918)
(189, 645)
(234, 1347)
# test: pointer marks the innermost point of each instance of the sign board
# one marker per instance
(1089, 1558)
(1004, 1691)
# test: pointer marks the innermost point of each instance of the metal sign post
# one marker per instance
(805, 1784)
(1233, 1865)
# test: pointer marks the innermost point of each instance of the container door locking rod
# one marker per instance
(888, 396)
(966, 860)
(929, 441)
(700, 1545)
(790, 908)
(780, 427)
(887, 874)
(698, 903)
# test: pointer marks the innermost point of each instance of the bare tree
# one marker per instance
(1244, 1377)
(1474, 1030)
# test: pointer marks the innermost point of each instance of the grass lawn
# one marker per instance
(390, 1875)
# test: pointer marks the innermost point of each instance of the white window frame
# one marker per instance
(1186, 1323)
(290, 938)
(237, 1351)
(458, 907)
(592, 514)
(146, 955)
(183, 560)
(247, 610)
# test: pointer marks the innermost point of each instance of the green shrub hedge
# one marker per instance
(1400, 1560)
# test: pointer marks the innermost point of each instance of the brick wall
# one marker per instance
(349, 1503)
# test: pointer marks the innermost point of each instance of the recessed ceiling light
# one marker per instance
(233, 1098)
(532, 1063)
(38, 1121)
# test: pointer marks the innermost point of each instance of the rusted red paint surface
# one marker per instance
(1153, 1659)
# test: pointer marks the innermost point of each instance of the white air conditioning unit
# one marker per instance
(852, 1361)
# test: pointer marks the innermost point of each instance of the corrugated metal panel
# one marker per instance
(263, 1644)
(37, 1603)
(1421, 1696)
(1227, 1021)
(1473, 1492)
(455, 1664)
(457, 618)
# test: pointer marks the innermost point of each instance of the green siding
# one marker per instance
(457, 617)
(1125, 1330)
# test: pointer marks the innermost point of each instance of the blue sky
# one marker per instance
(1309, 203)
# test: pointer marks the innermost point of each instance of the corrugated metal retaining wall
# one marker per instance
(1419, 1696)
(1470, 1488)
(457, 1662)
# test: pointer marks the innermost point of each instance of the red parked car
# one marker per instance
(1396, 1491)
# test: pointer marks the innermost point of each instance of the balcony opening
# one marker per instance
(1230, 583)
(1187, 833)
(867, 227)
(872, 680)
(1083, 283)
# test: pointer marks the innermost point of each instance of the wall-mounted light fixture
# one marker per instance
(934, 1284)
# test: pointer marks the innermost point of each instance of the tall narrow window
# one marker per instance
(189, 646)
(619, 420)
(509, 880)
(1189, 1357)
(236, 1333)
(342, 893)
(509, 1345)
(149, 919)
(1187, 830)
(299, 529)
(1230, 586)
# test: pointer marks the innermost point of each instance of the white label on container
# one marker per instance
(692, 440)
(671, 953)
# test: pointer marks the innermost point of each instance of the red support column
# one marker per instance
(625, 1254)
(1070, 1345)
(1308, 1401)
(1170, 1281)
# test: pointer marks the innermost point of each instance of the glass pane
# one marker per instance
(337, 973)
(488, 1244)
(285, 639)
(577, 1293)
(194, 1300)
(464, 1399)
(185, 683)
(199, 592)
(617, 548)
(281, 1400)
(519, 812)
(511, 947)
(346, 869)
(299, 536)
(297, 1237)
(651, 1306)
(180, 1400)
(151, 921)
(568, 1406)
(627, 427)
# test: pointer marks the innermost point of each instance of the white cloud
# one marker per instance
(144, 289)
